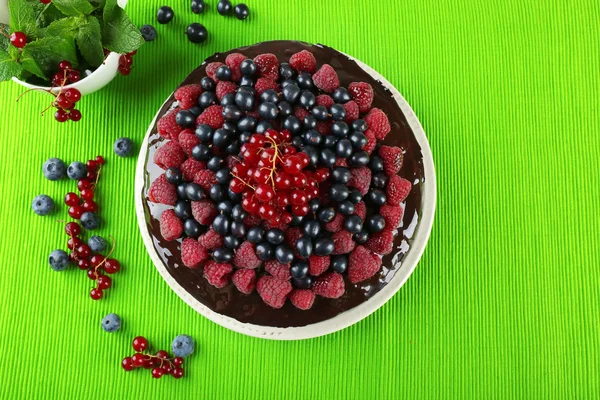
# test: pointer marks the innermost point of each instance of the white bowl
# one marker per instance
(91, 83)
(344, 319)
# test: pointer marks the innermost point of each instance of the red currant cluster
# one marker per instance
(272, 178)
(125, 62)
(66, 99)
(160, 363)
(86, 186)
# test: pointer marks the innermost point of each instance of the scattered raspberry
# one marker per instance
(392, 159)
(212, 116)
(330, 285)
(362, 264)
(268, 65)
(337, 224)
(169, 155)
(162, 192)
(362, 94)
(343, 242)
(318, 264)
(341, 162)
(371, 141)
(252, 220)
(278, 270)
(171, 227)
(211, 70)
(217, 274)
(273, 291)
(378, 122)
(190, 168)
(245, 256)
(188, 95)
(204, 211)
(263, 84)
(360, 209)
(244, 280)
(302, 298)
(205, 178)
(324, 127)
(300, 113)
(292, 235)
(360, 178)
(233, 61)
(253, 114)
(397, 190)
(381, 243)
(167, 126)
(223, 88)
(392, 215)
(187, 140)
(325, 100)
(211, 240)
(304, 61)
(351, 111)
(231, 161)
(275, 224)
(326, 79)
(192, 254)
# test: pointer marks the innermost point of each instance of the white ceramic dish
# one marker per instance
(350, 316)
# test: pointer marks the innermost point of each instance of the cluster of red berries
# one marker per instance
(66, 99)
(84, 202)
(160, 363)
(125, 62)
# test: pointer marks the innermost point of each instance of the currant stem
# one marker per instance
(109, 253)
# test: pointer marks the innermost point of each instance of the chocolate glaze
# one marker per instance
(250, 308)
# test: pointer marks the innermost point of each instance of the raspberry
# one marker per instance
(205, 178)
(263, 84)
(362, 264)
(397, 190)
(211, 240)
(273, 291)
(336, 225)
(302, 298)
(163, 192)
(371, 141)
(253, 114)
(211, 70)
(252, 220)
(231, 161)
(381, 243)
(167, 126)
(362, 94)
(378, 122)
(318, 264)
(223, 88)
(217, 274)
(212, 116)
(351, 111)
(325, 100)
(278, 270)
(268, 65)
(360, 178)
(326, 79)
(330, 285)
(187, 140)
(304, 61)
(190, 167)
(192, 254)
(204, 211)
(343, 242)
(244, 280)
(341, 162)
(360, 209)
(292, 235)
(276, 225)
(171, 227)
(392, 159)
(187, 96)
(245, 256)
(169, 155)
(324, 127)
(233, 61)
(392, 215)
(300, 113)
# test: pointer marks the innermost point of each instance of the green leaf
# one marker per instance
(89, 41)
(109, 8)
(8, 67)
(44, 54)
(4, 41)
(14, 53)
(47, 15)
(22, 17)
(74, 7)
(119, 34)
(66, 27)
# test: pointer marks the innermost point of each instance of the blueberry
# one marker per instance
(185, 119)
(355, 196)
(341, 174)
(284, 254)
(375, 223)
(225, 207)
(264, 251)
(197, 6)
(224, 7)
(379, 180)
(314, 205)
(360, 237)
(223, 73)
(285, 71)
(244, 137)
(346, 207)
(359, 125)
(241, 11)
(263, 126)
(90, 221)
(287, 82)
(312, 229)
(359, 159)
(247, 124)
(312, 137)
(327, 214)
(214, 163)
(222, 138)
(228, 100)
(183, 346)
(232, 113)
(204, 133)
(291, 123)
(244, 100)
(221, 224)
(196, 111)
(299, 269)
(353, 223)
(303, 283)
(376, 197)
(148, 33)
(297, 220)
(340, 129)
(275, 236)
(58, 260)
(338, 112)
(269, 95)
(238, 213)
(304, 247)
(248, 68)
(42, 205)
(233, 148)
(313, 154)
(165, 15)
(192, 228)
(54, 169)
(216, 192)
(285, 109)
(207, 99)
(181, 194)
(307, 99)
(309, 122)
(338, 192)
(97, 244)
(375, 164)
(183, 209)
(255, 234)
(343, 148)
(238, 229)
(341, 95)
(268, 110)
(111, 323)
(358, 140)
(123, 147)
(304, 80)
(231, 242)
(297, 142)
(77, 170)
(208, 84)
(324, 246)
(222, 254)
(291, 93)
(194, 192)
(320, 113)
(330, 141)
(327, 157)
(339, 263)
(201, 152)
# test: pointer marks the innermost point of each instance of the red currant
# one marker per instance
(96, 260)
(266, 211)
(299, 180)
(298, 198)
(250, 204)
(140, 343)
(125, 61)
(73, 257)
(112, 266)
(127, 364)
(124, 70)
(300, 211)
(237, 186)
(75, 115)
(178, 361)
(18, 39)
(83, 264)
(84, 251)
(289, 150)
(73, 76)
(157, 373)
(91, 165)
(61, 115)
(71, 199)
(281, 199)
(92, 274)
(162, 354)
(96, 294)
(133, 53)
(177, 373)
(87, 194)
(292, 164)
(76, 212)
(286, 218)
(286, 136)
(74, 243)
(258, 140)
(58, 79)
(83, 184)
(104, 282)
(62, 102)
(45, 1)
(72, 229)
(304, 158)
(261, 175)
(264, 193)
(90, 176)
(64, 65)
(100, 160)
(167, 368)
(138, 359)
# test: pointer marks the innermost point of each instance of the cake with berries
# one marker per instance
(282, 184)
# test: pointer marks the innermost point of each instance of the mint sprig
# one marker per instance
(74, 8)
(22, 17)
(89, 41)
(8, 67)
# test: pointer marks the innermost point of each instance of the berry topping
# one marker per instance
(362, 94)
(326, 79)
(302, 298)
(343, 242)
(326, 101)
(188, 140)
(169, 155)
(211, 240)
(318, 264)
(224, 88)
(351, 109)
(362, 264)
(217, 274)
(397, 190)
(204, 211)
(360, 178)
(246, 257)
(163, 192)
(205, 178)
(190, 168)
(392, 159)
(167, 126)
(381, 243)
(304, 61)
(188, 95)
(234, 62)
(330, 285)
(278, 270)
(392, 215)
(211, 116)
(244, 280)
(264, 84)
(192, 253)
(378, 123)
(273, 291)
(171, 227)
(268, 65)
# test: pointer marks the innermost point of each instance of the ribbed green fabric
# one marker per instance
(504, 303)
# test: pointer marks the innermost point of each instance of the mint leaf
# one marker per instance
(44, 54)
(109, 7)
(31, 66)
(47, 15)
(8, 67)
(74, 7)
(119, 34)
(89, 41)
(62, 27)
(4, 41)
(22, 17)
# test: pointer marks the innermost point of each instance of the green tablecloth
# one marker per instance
(504, 303)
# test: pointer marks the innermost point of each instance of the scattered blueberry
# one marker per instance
(196, 33)
(77, 170)
(197, 6)
(165, 15)
(111, 323)
(241, 11)
(183, 346)
(90, 221)
(97, 244)
(42, 205)
(148, 33)
(54, 169)
(123, 147)
(58, 260)
(224, 7)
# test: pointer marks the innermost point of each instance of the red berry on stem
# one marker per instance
(112, 266)
(63, 65)
(300, 211)
(178, 361)
(124, 70)
(72, 228)
(162, 354)
(58, 79)
(292, 164)
(283, 181)
(100, 160)
(157, 373)
(62, 102)
(125, 60)
(167, 368)
(90, 176)
(138, 359)
(73, 76)
(96, 294)
(140, 343)
(83, 184)
(96, 259)
(61, 115)
(90, 206)
(83, 264)
(91, 165)
(264, 193)
(236, 185)
(177, 373)
(73, 95)
(71, 199)
(104, 282)
(92, 274)
(76, 212)
(75, 115)
(266, 211)
(73, 243)
(127, 364)
(298, 198)
(84, 251)
(18, 39)
(87, 194)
